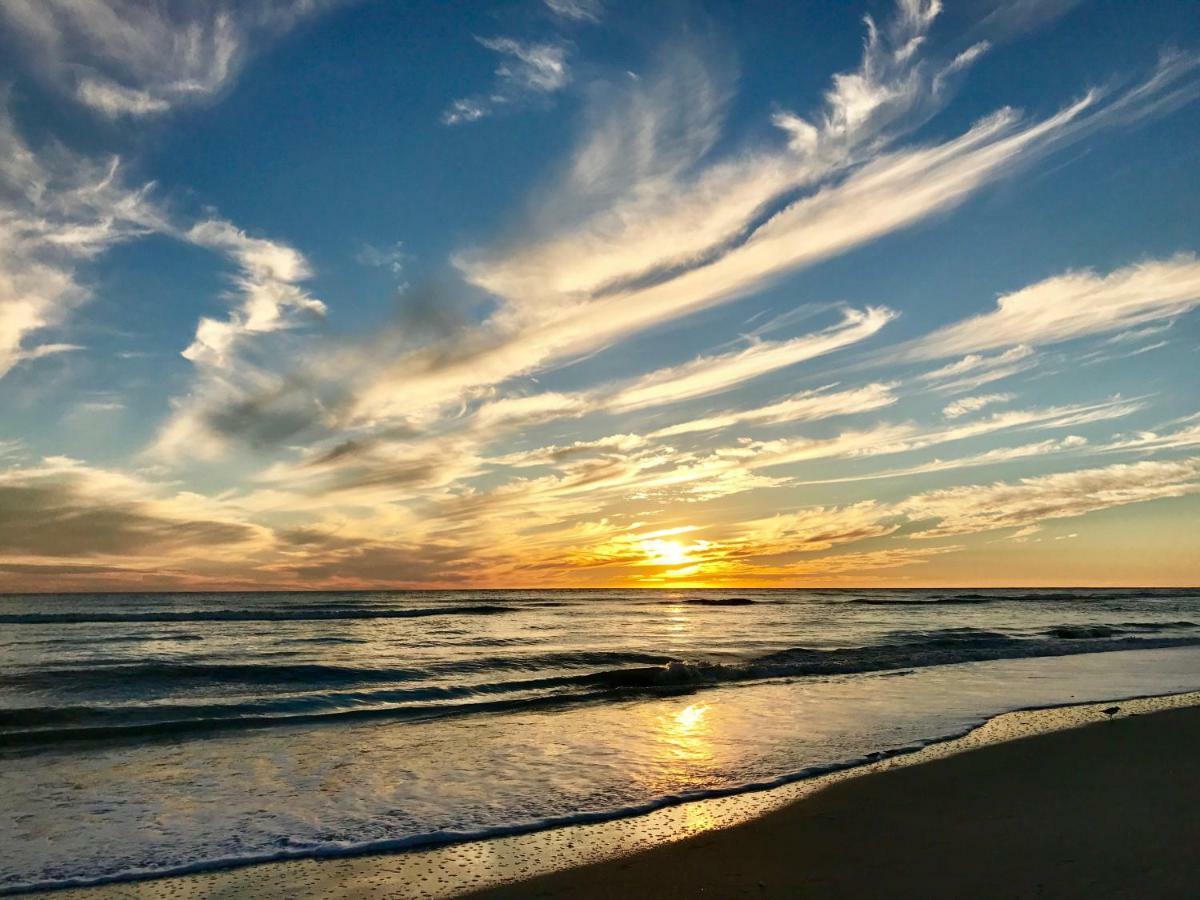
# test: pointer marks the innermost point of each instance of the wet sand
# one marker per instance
(1107, 810)
(1063, 802)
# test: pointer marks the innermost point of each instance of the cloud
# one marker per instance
(640, 197)
(886, 195)
(702, 377)
(712, 374)
(1032, 500)
(57, 211)
(894, 88)
(644, 259)
(1007, 18)
(838, 567)
(129, 58)
(1071, 443)
(232, 396)
(646, 225)
(965, 405)
(391, 258)
(975, 370)
(814, 528)
(885, 439)
(1174, 438)
(809, 406)
(577, 10)
(1073, 305)
(525, 71)
(64, 509)
(267, 287)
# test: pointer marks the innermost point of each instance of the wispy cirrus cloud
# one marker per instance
(975, 370)
(887, 440)
(58, 210)
(549, 312)
(1073, 305)
(965, 405)
(646, 226)
(1030, 501)
(526, 70)
(1071, 443)
(124, 58)
(577, 10)
(809, 406)
(707, 375)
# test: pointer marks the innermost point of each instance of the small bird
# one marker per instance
(1111, 711)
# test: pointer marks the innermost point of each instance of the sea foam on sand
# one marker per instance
(461, 868)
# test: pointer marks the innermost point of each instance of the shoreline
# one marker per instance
(541, 852)
(1103, 810)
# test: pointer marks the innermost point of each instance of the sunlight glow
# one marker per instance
(666, 553)
(690, 717)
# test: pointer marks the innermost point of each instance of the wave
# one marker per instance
(253, 615)
(1084, 632)
(719, 601)
(922, 598)
(958, 599)
(334, 849)
(96, 673)
(899, 651)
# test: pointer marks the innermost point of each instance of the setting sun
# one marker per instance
(666, 553)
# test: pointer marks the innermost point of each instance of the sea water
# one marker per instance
(143, 734)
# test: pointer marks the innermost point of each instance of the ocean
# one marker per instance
(143, 734)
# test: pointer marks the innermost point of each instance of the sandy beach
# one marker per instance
(1058, 802)
(1107, 810)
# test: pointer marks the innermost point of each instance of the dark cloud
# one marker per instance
(55, 519)
(292, 409)
(393, 564)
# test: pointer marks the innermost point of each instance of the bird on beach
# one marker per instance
(1111, 711)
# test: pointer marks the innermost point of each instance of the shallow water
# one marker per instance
(154, 733)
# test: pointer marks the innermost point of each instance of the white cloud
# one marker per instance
(815, 528)
(525, 70)
(809, 406)
(886, 439)
(130, 58)
(57, 210)
(1073, 305)
(267, 287)
(713, 374)
(114, 100)
(231, 395)
(390, 258)
(1029, 501)
(889, 194)
(577, 10)
(975, 370)
(965, 405)
(1071, 443)
(635, 198)
(647, 226)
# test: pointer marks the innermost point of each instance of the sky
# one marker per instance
(317, 294)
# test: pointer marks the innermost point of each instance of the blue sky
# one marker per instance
(305, 293)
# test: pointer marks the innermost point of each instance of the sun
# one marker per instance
(666, 553)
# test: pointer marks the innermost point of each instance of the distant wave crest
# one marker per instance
(351, 692)
(302, 614)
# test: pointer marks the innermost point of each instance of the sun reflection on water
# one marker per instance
(683, 749)
(691, 717)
